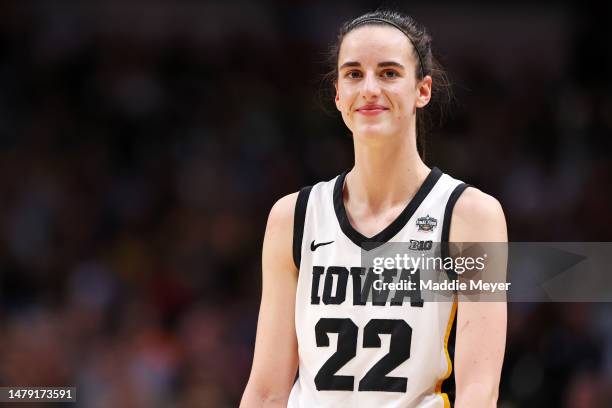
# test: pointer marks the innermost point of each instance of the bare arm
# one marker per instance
(276, 359)
(481, 326)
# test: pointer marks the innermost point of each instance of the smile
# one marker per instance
(372, 111)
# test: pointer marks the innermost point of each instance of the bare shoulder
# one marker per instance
(282, 212)
(474, 202)
(278, 240)
(478, 217)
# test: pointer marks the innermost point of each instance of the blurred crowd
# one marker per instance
(142, 147)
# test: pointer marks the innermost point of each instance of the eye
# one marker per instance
(389, 73)
(353, 75)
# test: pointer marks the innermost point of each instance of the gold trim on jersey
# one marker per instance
(449, 370)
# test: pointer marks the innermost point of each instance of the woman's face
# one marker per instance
(377, 91)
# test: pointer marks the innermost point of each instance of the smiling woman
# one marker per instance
(384, 78)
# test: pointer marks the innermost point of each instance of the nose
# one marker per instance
(371, 87)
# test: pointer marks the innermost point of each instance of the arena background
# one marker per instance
(143, 144)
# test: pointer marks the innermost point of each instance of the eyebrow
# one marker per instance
(380, 64)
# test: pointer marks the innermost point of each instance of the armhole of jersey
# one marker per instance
(448, 387)
(298, 224)
(446, 224)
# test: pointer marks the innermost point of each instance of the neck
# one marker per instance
(387, 172)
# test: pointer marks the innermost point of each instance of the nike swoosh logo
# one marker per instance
(314, 246)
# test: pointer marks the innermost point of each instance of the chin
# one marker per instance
(377, 130)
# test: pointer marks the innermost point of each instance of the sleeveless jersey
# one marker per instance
(360, 354)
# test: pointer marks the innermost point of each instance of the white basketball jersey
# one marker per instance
(367, 354)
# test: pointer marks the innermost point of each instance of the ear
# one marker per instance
(423, 92)
(337, 97)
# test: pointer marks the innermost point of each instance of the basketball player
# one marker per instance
(352, 353)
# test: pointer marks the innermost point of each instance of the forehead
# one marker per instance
(375, 43)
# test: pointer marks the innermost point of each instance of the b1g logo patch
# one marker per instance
(416, 245)
(427, 224)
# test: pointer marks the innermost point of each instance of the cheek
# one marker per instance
(404, 104)
(346, 101)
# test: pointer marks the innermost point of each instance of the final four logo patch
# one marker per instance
(427, 224)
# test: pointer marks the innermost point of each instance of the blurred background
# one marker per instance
(142, 146)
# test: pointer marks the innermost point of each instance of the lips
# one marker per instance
(370, 110)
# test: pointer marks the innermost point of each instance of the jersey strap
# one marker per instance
(448, 211)
(448, 214)
(298, 224)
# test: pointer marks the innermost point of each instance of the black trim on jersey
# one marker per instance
(393, 228)
(298, 224)
(448, 386)
(446, 223)
(448, 211)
